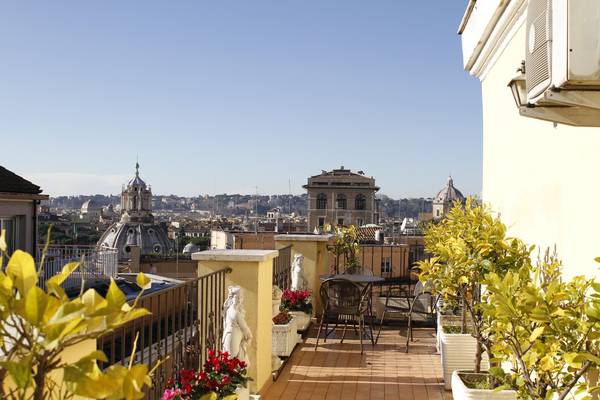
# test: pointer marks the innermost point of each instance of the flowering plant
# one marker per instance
(296, 300)
(283, 318)
(220, 377)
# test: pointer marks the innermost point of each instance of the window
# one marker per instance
(321, 222)
(386, 266)
(9, 226)
(359, 222)
(360, 202)
(341, 221)
(321, 201)
(341, 201)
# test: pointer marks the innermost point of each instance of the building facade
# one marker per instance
(19, 200)
(136, 226)
(341, 197)
(535, 173)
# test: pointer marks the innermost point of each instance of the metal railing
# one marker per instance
(186, 321)
(95, 263)
(281, 268)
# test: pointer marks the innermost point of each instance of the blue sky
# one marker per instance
(225, 96)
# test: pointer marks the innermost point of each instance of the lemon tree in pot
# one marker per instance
(547, 328)
(468, 244)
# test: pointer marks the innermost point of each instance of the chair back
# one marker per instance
(424, 301)
(343, 297)
(357, 270)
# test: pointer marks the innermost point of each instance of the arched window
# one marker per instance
(360, 202)
(341, 201)
(321, 201)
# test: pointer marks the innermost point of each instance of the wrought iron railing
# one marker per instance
(281, 268)
(95, 262)
(186, 321)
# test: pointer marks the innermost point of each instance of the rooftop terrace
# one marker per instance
(385, 371)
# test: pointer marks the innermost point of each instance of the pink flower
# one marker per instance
(170, 394)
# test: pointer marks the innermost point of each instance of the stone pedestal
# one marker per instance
(252, 270)
(316, 259)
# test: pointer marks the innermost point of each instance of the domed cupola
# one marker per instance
(445, 199)
(136, 200)
(136, 226)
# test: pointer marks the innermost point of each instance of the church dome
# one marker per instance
(150, 238)
(136, 226)
(449, 193)
(90, 206)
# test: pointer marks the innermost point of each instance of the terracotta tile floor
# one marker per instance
(338, 371)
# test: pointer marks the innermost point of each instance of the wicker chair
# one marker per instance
(344, 301)
(421, 302)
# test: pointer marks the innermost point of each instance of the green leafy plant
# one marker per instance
(345, 247)
(38, 326)
(468, 244)
(547, 328)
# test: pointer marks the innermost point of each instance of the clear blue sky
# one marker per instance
(224, 96)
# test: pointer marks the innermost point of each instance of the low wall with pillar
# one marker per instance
(252, 270)
(316, 257)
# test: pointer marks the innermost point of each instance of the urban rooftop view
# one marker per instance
(300, 200)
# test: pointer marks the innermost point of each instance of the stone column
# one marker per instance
(252, 270)
(316, 259)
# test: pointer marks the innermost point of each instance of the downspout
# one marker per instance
(34, 233)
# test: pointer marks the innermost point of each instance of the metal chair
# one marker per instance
(343, 298)
(421, 302)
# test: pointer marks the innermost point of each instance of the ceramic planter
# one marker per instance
(458, 353)
(460, 391)
(284, 339)
(302, 319)
(243, 393)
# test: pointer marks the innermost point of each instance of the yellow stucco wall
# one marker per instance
(255, 278)
(315, 263)
(542, 179)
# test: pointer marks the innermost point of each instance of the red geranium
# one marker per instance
(296, 300)
(221, 374)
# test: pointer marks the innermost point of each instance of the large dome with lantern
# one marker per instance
(136, 226)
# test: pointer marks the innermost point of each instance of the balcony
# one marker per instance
(95, 263)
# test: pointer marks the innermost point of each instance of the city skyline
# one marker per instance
(221, 99)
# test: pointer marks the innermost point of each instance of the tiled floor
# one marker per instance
(339, 371)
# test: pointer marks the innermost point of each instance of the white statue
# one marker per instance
(298, 281)
(236, 334)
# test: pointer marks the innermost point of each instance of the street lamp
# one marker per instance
(518, 87)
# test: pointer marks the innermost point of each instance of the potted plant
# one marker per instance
(298, 304)
(221, 378)
(345, 247)
(284, 334)
(548, 329)
(467, 244)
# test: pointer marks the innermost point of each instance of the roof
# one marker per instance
(13, 183)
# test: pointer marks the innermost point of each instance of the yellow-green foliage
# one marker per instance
(549, 329)
(345, 244)
(468, 244)
(37, 325)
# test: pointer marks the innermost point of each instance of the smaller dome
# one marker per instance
(90, 206)
(449, 193)
(137, 181)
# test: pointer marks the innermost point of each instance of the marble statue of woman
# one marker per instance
(236, 334)
(297, 273)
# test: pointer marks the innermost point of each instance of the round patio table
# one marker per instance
(360, 279)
